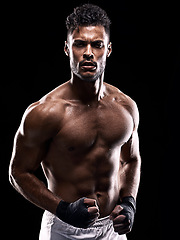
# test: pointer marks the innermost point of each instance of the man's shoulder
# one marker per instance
(51, 104)
(125, 101)
(58, 94)
(46, 113)
(120, 96)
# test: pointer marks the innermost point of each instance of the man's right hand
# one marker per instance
(81, 213)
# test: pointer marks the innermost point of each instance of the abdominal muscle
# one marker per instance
(105, 190)
(94, 175)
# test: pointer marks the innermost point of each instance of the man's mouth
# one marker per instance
(88, 65)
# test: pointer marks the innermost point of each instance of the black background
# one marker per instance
(144, 64)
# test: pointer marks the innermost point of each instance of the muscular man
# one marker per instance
(84, 133)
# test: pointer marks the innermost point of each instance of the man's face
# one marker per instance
(87, 48)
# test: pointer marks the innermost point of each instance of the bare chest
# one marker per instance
(83, 126)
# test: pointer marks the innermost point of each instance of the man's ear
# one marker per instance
(66, 48)
(109, 49)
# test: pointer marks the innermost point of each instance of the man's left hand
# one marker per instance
(120, 222)
(123, 215)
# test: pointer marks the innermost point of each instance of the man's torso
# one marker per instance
(83, 158)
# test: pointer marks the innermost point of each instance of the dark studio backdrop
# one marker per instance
(144, 64)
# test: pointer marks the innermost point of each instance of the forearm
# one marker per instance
(130, 178)
(35, 191)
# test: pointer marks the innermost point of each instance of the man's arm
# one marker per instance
(38, 126)
(123, 214)
(130, 157)
(131, 160)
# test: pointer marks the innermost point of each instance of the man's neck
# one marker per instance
(89, 92)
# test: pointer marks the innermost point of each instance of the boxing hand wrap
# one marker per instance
(129, 209)
(75, 213)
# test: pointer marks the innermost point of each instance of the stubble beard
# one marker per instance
(89, 77)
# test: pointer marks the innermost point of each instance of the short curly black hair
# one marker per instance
(86, 15)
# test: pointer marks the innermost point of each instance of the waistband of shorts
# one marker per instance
(101, 222)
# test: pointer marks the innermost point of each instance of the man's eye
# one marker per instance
(97, 44)
(79, 44)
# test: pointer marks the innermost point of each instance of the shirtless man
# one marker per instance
(84, 133)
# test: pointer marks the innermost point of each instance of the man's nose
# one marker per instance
(88, 54)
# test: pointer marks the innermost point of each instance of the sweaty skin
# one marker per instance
(84, 134)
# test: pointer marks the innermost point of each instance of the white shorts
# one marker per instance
(52, 228)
